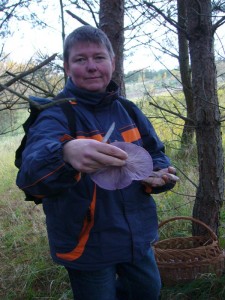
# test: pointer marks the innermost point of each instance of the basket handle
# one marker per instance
(213, 235)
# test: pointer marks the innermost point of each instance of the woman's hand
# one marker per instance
(161, 177)
(87, 156)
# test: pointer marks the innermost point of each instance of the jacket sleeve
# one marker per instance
(152, 144)
(43, 172)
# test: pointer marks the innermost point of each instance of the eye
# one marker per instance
(99, 58)
(80, 60)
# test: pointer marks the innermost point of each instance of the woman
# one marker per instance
(102, 237)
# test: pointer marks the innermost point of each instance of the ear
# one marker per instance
(113, 64)
(66, 68)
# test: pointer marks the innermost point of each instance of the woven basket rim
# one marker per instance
(187, 249)
(212, 234)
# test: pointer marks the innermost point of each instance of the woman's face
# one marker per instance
(90, 66)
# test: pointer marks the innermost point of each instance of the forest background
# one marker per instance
(162, 93)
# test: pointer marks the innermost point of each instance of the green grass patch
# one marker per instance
(27, 271)
(208, 287)
(8, 146)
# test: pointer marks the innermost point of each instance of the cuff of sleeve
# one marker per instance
(148, 189)
(77, 176)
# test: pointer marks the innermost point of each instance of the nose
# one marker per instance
(91, 65)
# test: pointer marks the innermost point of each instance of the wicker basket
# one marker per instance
(183, 259)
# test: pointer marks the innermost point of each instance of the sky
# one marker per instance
(26, 41)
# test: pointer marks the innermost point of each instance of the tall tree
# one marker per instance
(63, 31)
(111, 21)
(210, 191)
(195, 27)
(174, 16)
(185, 72)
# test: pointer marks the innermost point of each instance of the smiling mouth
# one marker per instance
(92, 78)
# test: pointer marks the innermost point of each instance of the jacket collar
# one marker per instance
(91, 99)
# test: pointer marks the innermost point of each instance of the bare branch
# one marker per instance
(77, 18)
(4, 87)
(32, 84)
(34, 103)
(169, 20)
(169, 111)
(92, 13)
(219, 23)
(32, 70)
(50, 104)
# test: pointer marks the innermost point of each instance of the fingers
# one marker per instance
(92, 163)
(87, 155)
(111, 150)
(172, 170)
(170, 178)
(162, 177)
(99, 155)
(154, 181)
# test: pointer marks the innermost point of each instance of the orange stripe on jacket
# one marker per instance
(66, 137)
(84, 236)
(77, 177)
(73, 102)
(47, 175)
(97, 137)
(131, 135)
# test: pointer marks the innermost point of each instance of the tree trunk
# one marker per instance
(185, 71)
(111, 17)
(63, 34)
(210, 191)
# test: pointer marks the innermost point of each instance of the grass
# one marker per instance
(208, 287)
(26, 269)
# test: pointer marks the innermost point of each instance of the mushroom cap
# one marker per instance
(138, 166)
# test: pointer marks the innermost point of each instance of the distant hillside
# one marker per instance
(139, 83)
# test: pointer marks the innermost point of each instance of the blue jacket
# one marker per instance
(89, 227)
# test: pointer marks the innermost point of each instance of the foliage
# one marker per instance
(20, 81)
